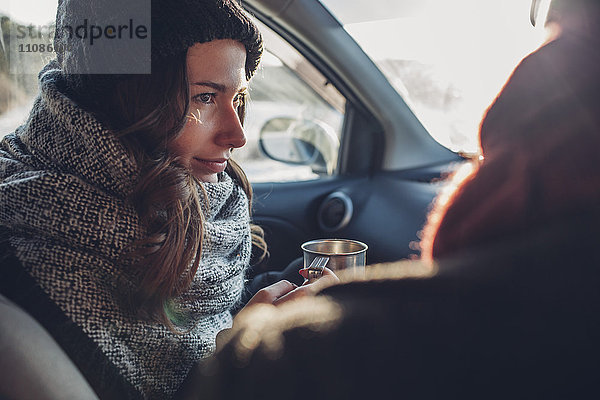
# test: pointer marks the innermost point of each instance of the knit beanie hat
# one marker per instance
(113, 37)
(181, 24)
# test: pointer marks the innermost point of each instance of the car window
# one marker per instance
(25, 47)
(294, 119)
(447, 59)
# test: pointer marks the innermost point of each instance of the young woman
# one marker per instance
(127, 221)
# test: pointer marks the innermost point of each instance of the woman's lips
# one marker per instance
(214, 166)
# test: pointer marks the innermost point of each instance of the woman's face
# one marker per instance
(217, 77)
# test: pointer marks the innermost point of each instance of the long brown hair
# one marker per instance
(148, 112)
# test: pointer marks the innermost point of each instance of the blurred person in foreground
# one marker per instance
(505, 302)
(539, 142)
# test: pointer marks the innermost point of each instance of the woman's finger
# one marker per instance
(326, 273)
(272, 292)
(329, 278)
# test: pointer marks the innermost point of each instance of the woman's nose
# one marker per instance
(232, 133)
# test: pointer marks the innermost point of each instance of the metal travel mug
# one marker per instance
(335, 254)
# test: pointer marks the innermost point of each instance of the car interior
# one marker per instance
(387, 161)
(373, 170)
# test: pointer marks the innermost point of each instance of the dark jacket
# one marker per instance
(516, 319)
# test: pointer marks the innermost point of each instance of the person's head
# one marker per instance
(574, 15)
(152, 110)
(538, 142)
(179, 123)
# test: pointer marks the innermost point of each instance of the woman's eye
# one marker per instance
(205, 98)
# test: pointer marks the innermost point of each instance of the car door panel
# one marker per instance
(287, 212)
(388, 211)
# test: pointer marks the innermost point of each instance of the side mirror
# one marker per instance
(300, 142)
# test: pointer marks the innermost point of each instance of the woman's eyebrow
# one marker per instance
(217, 86)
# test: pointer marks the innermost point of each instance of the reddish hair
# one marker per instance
(539, 141)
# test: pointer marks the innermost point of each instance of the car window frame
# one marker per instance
(361, 132)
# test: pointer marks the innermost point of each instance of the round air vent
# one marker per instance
(335, 212)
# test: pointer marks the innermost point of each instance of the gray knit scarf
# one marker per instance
(64, 180)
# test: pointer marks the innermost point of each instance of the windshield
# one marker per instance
(447, 59)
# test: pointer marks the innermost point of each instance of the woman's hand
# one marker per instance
(279, 293)
(284, 291)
